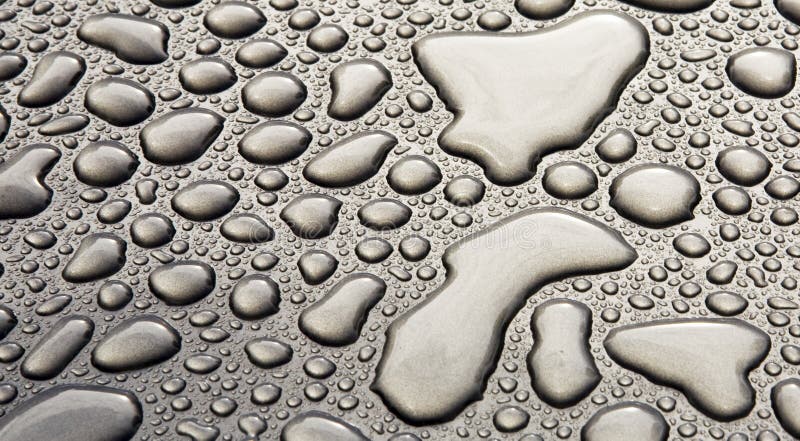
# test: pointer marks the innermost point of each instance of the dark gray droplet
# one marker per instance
(23, 192)
(316, 425)
(99, 255)
(655, 195)
(351, 161)
(207, 76)
(356, 86)
(11, 65)
(181, 136)
(105, 164)
(182, 283)
(255, 297)
(261, 53)
(560, 363)
(505, 122)
(119, 101)
(246, 228)
(57, 348)
(384, 214)
(273, 94)
(133, 39)
(136, 344)
(114, 210)
(104, 414)
(312, 216)
(113, 295)
(274, 142)
(152, 230)
(64, 125)
(268, 353)
(205, 200)
(5, 123)
(234, 19)
(337, 318)
(55, 75)
(707, 359)
(627, 421)
(316, 266)
(8, 320)
(433, 366)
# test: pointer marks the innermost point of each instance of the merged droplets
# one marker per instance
(430, 360)
(337, 318)
(605, 46)
(561, 365)
(23, 192)
(720, 352)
